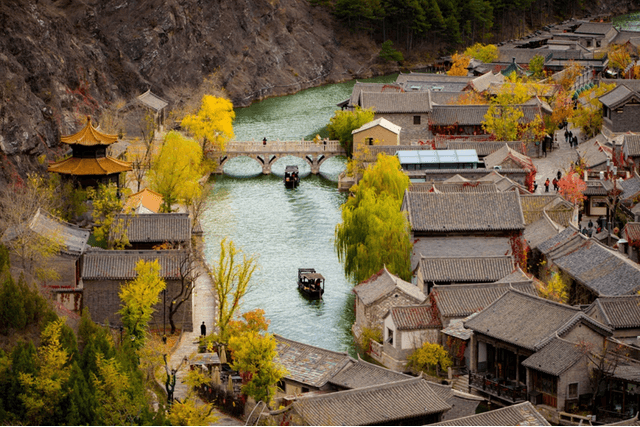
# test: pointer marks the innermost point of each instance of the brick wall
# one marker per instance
(627, 120)
(380, 135)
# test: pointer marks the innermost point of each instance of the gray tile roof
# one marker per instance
(597, 188)
(528, 321)
(540, 231)
(485, 148)
(445, 212)
(521, 414)
(360, 87)
(307, 364)
(444, 98)
(433, 82)
(454, 187)
(618, 312)
(522, 56)
(599, 28)
(411, 317)
(632, 145)
(463, 300)
(606, 272)
(377, 404)
(465, 269)
(383, 283)
(630, 187)
(557, 208)
(500, 156)
(152, 101)
(555, 357)
(72, 239)
(162, 227)
(360, 374)
(473, 115)
(617, 96)
(397, 102)
(98, 264)
(628, 371)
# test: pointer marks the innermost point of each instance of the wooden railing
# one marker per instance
(283, 147)
(506, 389)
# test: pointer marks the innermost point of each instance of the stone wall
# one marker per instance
(102, 300)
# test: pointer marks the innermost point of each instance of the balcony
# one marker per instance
(504, 389)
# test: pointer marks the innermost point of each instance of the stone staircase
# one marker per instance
(461, 383)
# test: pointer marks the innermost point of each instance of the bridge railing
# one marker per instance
(283, 146)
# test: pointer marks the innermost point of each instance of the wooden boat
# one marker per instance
(291, 177)
(310, 283)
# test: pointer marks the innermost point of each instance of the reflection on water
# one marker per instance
(287, 228)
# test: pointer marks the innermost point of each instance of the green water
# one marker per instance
(287, 228)
(629, 22)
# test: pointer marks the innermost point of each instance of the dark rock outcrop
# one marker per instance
(62, 60)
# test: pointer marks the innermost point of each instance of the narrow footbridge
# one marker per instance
(267, 154)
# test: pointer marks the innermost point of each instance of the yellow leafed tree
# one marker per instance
(213, 123)
(485, 53)
(555, 290)
(138, 298)
(460, 64)
(176, 171)
(45, 390)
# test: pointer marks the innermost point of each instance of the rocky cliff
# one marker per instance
(61, 60)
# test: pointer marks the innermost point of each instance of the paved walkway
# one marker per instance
(203, 310)
(557, 160)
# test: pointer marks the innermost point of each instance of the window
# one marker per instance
(390, 336)
(572, 392)
(369, 141)
(416, 120)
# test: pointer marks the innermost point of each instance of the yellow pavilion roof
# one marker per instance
(89, 136)
(101, 166)
(147, 198)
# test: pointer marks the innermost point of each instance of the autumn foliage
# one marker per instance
(572, 187)
(460, 64)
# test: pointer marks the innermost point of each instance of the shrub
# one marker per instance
(388, 53)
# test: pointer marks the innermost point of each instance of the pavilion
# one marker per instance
(89, 165)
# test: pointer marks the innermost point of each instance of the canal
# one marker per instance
(287, 228)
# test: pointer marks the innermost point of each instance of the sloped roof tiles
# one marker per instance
(383, 283)
(161, 227)
(412, 317)
(465, 269)
(555, 357)
(521, 414)
(445, 212)
(619, 312)
(98, 264)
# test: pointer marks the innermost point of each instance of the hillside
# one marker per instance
(61, 60)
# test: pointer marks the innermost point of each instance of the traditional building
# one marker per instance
(463, 224)
(621, 314)
(407, 402)
(89, 164)
(515, 327)
(377, 132)
(143, 202)
(376, 295)
(521, 414)
(309, 368)
(592, 269)
(150, 231)
(434, 271)
(104, 272)
(406, 328)
(621, 110)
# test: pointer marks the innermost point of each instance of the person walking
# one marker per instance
(544, 146)
(566, 134)
(264, 141)
(203, 329)
(546, 186)
(575, 141)
(555, 184)
(559, 175)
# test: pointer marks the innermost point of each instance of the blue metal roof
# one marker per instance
(437, 156)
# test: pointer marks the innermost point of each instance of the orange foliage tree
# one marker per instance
(572, 187)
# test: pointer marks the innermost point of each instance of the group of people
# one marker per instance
(555, 181)
(570, 138)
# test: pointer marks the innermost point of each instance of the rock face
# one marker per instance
(61, 60)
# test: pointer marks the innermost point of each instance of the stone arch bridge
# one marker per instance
(267, 154)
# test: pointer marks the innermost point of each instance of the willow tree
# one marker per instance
(213, 123)
(176, 170)
(344, 122)
(374, 231)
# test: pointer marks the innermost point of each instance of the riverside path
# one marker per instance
(267, 153)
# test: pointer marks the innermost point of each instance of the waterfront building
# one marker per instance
(89, 164)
